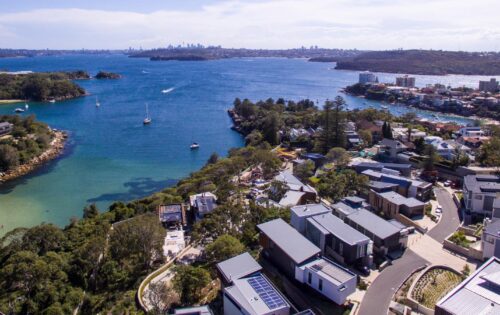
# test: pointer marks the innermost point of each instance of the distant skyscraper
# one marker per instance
(367, 77)
(405, 81)
(488, 86)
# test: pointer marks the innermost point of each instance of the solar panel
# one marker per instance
(266, 292)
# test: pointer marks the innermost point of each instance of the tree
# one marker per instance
(337, 185)
(277, 191)
(161, 297)
(271, 128)
(366, 137)
(214, 157)
(304, 170)
(339, 156)
(431, 158)
(254, 138)
(489, 153)
(189, 282)
(333, 125)
(224, 247)
(90, 211)
(387, 130)
(9, 157)
(138, 240)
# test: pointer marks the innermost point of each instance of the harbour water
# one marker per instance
(112, 156)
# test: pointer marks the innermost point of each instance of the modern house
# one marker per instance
(328, 278)
(391, 203)
(403, 169)
(202, 204)
(478, 294)
(407, 187)
(5, 128)
(172, 215)
(349, 205)
(254, 295)
(470, 132)
(237, 267)
(480, 192)
(299, 215)
(195, 310)
(339, 241)
(247, 291)
(299, 259)
(391, 148)
(490, 239)
(385, 236)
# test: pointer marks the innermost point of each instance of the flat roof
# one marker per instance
(337, 227)
(291, 198)
(289, 240)
(478, 294)
(293, 182)
(170, 213)
(398, 199)
(196, 310)
(257, 295)
(238, 267)
(336, 274)
(344, 208)
(310, 210)
(373, 223)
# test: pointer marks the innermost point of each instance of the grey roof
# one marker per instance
(380, 166)
(170, 213)
(397, 224)
(343, 208)
(306, 312)
(196, 310)
(336, 274)
(373, 223)
(482, 183)
(392, 143)
(341, 230)
(381, 185)
(5, 124)
(291, 198)
(205, 204)
(310, 210)
(293, 182)
(399, 200)
(474, 295)
(252, 301)
(238, 267)
(493, 228)
(354, 199)
(296, 246)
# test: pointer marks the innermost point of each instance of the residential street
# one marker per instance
(450, 219)
(380, 292)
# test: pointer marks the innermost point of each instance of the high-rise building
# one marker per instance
(367, 77)
(488, 86)
(405, 81)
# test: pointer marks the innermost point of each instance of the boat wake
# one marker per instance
(145, 72)
(166, 91)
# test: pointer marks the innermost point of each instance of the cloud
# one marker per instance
(364, 24)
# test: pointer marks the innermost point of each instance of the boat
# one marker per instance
(384, 107)
(194, 146)
(19, 110)
(147, 120)
(52, 101)
(97, 104)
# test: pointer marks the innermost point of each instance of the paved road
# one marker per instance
(450, 219)
(380, 292)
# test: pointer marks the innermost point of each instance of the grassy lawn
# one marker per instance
(433, 285)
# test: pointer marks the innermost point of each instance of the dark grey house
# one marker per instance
(338, 240)
(286, 247)
(237, 267)
(5, 128)
(403, 169)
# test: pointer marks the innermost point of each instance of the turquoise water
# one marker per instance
(112, 156)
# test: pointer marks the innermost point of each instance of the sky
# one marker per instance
(362, 24)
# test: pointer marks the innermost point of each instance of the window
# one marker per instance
(341, 248)
(320, 285)
(309, 278)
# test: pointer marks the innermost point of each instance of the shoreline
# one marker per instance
(6, 102)
(54, 151)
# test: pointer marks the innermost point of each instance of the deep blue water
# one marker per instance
(112, 156)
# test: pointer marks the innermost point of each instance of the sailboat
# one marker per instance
(97, 104)
(147, 120)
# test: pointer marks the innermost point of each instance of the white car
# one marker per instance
(439, 210)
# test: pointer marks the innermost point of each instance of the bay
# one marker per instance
(112, 156)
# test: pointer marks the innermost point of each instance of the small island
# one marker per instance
(107, 75)
(41, 87)
(26, 144)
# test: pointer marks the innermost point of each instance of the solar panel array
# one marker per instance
(266, 292)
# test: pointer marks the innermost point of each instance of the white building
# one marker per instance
(490, 240)
(367, 77)
(471, 132)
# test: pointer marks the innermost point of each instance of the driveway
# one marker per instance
(380, 292)
(450, 219)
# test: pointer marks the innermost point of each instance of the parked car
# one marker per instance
(447, 183)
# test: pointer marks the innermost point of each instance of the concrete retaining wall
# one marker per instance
(409, 222)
